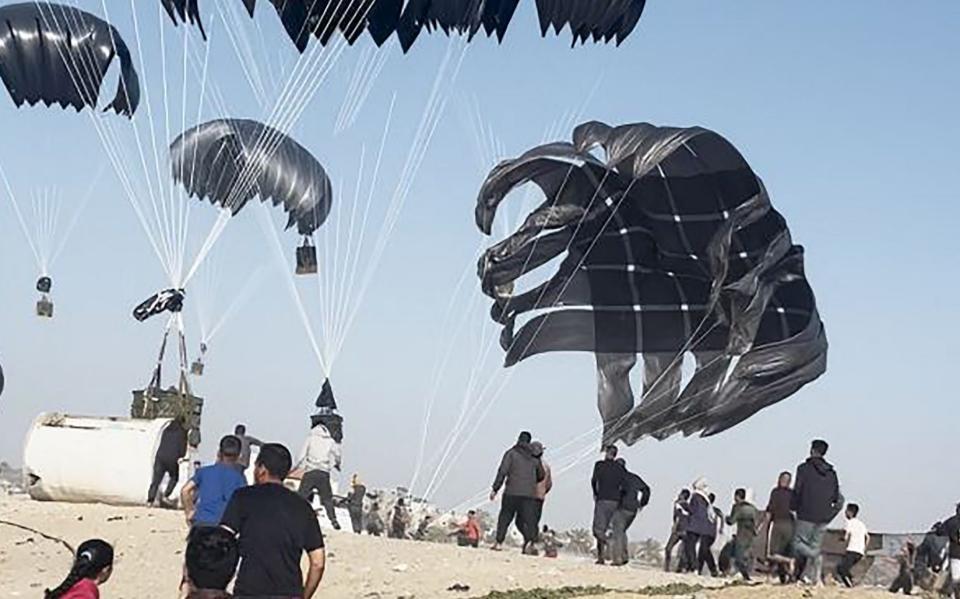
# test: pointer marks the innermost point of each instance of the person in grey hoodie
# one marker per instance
(816, 501)
(519, 472)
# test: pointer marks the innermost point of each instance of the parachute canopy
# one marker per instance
(53, 53)
(229, 161)
(168, 300)
(669, 246)
(597, 20)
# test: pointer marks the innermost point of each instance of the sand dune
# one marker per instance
(149, 547)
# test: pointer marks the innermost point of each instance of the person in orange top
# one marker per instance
(470, 532)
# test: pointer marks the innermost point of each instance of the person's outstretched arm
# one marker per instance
(318, 563)
(187, 497)
(501, 475)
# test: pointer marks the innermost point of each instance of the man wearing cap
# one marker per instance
(206, 495)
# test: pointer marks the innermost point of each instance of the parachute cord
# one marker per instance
(270, 231)
(20, 219)
(72, 224)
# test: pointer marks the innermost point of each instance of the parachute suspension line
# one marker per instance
(239, 300)
(20, 219)
(72, 224)
(271, 232)
(350, 285)
(468, 407)
(248, 63)
(425, 131)
(365, 75)
(106, 134)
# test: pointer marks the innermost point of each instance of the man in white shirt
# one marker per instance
(856, 537)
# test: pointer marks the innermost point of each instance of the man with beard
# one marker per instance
(816, 501)
(518, 475)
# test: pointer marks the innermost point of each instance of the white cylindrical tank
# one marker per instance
(91, 459)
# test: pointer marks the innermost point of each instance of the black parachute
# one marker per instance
(597, 20)
(669, 246)
(53, 53)
(230, 161)
(327, 413)
(168, 300)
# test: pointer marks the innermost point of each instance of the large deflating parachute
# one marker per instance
(669, 247)
(230, 161)
(597, 20)
(52, 53)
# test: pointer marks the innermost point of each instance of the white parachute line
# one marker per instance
(381, 59)
(356, 76)
(248, 63)
(362, 235)
(72, 224)
(251, 285)
(270, 231)
(110, 144)
(340, 290)
(23, 224)
(425, 131)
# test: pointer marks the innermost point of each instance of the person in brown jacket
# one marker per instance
(543, 487)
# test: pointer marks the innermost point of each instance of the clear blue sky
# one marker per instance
(847, 110)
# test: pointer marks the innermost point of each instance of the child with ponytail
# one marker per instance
(92, 567)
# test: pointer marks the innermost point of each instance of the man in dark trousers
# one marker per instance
(951, 530)
(681, 515)
(636, 496)
(518, 475)
(608, 488)
(246, 442)
(173, 446)
(816, 501)
(275, 527)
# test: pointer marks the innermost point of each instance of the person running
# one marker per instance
(518, 475)
(543, 487)
(92, 567)
(701, 529)
(173, 446)
(358, 493)
(275, 527)
(856, 536)
(608, 487)
(375, 526)
(678, 531)
(319, 457)
(780, 519)
(816, 501)
(930, 557)
(636, 496)
(746, 518)
(951, 530)
(246, 442)
(205, 496)
(211, 557)
(905, 561)
(399, 521)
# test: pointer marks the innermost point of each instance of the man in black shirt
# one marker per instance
(608, 483)
(275, 526)
(173, 446)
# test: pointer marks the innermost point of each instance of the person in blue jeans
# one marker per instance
(816, 501)
(205, 496)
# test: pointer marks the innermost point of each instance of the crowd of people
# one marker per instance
(256, 535)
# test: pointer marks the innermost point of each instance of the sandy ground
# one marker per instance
(149, 547)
